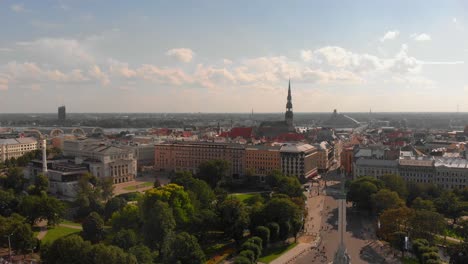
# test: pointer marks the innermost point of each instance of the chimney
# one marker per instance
(44, 157)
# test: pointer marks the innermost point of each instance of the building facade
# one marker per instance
(187, 156)
(262, 160)
(17, 147)
(103, 160)
(299, 160)
(374, 167)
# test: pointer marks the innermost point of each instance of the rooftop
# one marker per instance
(15, 141)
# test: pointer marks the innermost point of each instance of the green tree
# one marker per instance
(22, 238)
(142, 253)
(113, 205)
(394, 220)
(93, 227)
(186, 250)
(395, 183)
(248, 254)
(176, 197)
(386, 199)
(125, 239)
(15, 179)
(214, 172)
(41, 183)
(127, 218)
(425, 224)
(249, 245)
(290, 186)
(283, 211)
(8, 202)
(421, 204)
(103, 254)
(361, 190)
(264, 233)
(243, 259)
(234, 218)
(158, 222)
(43, 207)
(202, 196)
(449, 205)
(67, 250)
(274, 231)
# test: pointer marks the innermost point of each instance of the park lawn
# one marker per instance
(66, 222)
(273, 253)
(137, 186)
(58, 232)
(242, 196)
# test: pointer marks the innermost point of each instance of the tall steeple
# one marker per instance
(289, 113)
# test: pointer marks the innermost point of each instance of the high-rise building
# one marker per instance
(61, 113)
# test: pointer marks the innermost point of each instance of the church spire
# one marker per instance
(289, 103)
(289, 113)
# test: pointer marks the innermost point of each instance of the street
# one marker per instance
(359, 239)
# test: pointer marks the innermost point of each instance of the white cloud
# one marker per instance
(182, 54)
(3, 83)
(306, 55)
(18, 8)
(58, 51)
(390, 35)
(96, 73)
(421, 37)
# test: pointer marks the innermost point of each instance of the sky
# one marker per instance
(233, 56)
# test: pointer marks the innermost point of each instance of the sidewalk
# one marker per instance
(311, 235)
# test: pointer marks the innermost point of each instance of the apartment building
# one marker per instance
(187, 156)
(262, 160)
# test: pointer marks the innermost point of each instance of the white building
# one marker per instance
(374, 167)
(16, 147)
(103, 160)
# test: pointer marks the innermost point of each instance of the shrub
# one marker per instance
(253, 247)
(248, 254)
(264, 233)
(242, 260)
(274, 231)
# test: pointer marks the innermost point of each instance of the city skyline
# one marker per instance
(231, 57)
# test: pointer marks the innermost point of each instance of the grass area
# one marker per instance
(242, 196)
(452, 233)
(407, 260)
(273, 253)
(66, 222)
(138, 186)
(58, 232)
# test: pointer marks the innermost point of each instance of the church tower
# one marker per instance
(288, 116)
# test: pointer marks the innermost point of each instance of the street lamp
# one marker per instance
(9, 245)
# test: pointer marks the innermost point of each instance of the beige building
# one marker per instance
(102, 159)
(326, 156)
(187, 156)
(17, 147)
(262, 160)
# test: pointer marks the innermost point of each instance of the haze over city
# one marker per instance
(223, 56)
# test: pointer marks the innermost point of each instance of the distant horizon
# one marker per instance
(247, 113)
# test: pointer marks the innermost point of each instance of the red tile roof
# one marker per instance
(244, 132)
